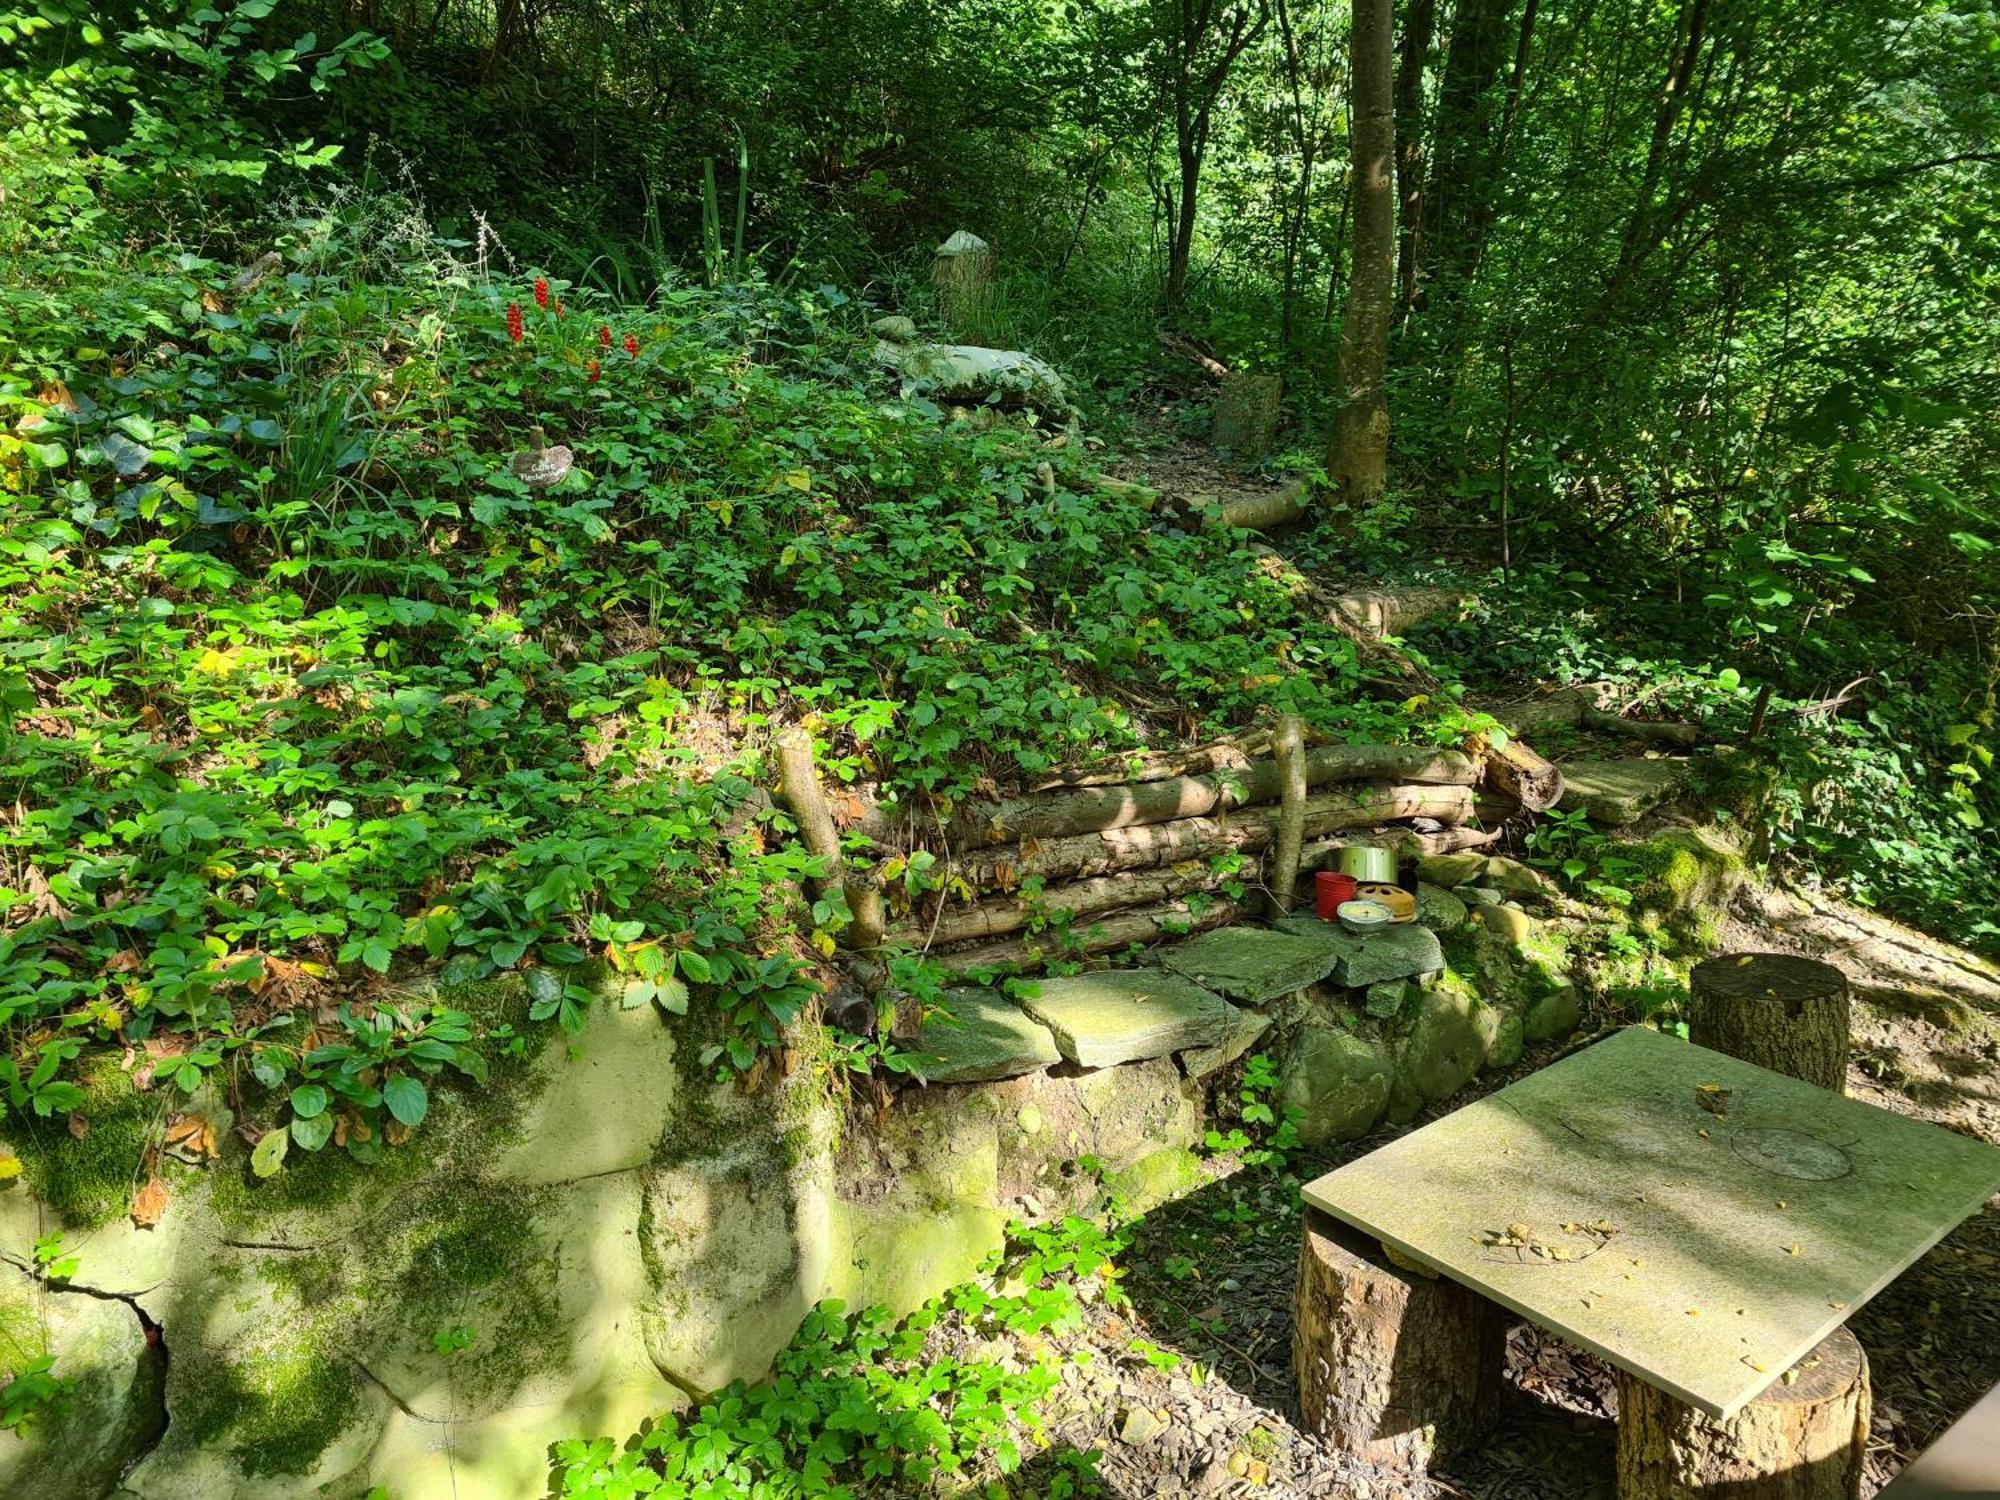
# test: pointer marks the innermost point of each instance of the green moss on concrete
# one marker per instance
(1157, 1178)
(277, 1411)
(89, 1182)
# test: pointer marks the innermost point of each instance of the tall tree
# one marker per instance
(1358, 462)
(1415, 52)
(1201, 41)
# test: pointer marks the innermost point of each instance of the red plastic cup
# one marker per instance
(1330, 889)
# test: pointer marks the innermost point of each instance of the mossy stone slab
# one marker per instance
(982, 1035)
(1253, 965)
(1100, 1020)
(1613, 793)
(1705, 1253)
(1365, 959)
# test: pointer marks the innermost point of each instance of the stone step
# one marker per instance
(1613, 793)
(1125, 1015)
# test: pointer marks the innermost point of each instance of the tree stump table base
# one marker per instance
(1803, 1439)
(1394, 1365)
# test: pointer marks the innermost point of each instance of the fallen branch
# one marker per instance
(1263, 512)
(1386, 612)
(1523, 775)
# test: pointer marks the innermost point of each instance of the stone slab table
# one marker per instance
(1701, 1223)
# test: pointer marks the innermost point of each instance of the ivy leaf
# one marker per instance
(408, 1100)
(268, 1157)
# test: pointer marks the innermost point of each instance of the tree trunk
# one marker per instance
(1245, 417)
(1288, 744)
(1358, 462)
(1461, 161)
(798, 783)
(1121, 930)
(1798, 1441)
(1417, 23)
(1392, 1365)
(1783, 1013)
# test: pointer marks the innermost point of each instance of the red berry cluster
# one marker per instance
(593, 369)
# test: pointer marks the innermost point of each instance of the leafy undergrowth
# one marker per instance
(864, 1404)
(307, 687)
(1880, 780)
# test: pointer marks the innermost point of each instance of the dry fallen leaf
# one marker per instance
(79, 1126)
(150, 1202)
(191, 1135)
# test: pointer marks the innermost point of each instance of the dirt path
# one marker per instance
(1211, 1279)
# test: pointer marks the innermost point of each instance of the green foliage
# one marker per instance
(858, 1403)
(1278, 1135)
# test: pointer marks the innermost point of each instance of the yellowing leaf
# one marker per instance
(799, 479)
(10, 1166)
(267, 1159)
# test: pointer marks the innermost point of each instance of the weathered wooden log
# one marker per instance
(962, 274)
(1196, 838)
(1146, 924)
(1783, 1013)
(1523, 775)
(1230, 753)
(798, 784)
(1059, 814)
(1263, 512)
(1803, 1439)
(1392, 1365)
(1000, 916)
(1384, 612)
(1288, 746)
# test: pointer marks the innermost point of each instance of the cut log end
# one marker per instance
(1781, 1012)
(1803, 1439)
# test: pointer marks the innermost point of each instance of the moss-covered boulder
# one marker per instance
(1445, 1044)
(1337, 1081)
(113, 1408)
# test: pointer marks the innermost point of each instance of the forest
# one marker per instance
(828, 529)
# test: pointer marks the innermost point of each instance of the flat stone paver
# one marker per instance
(985, 1036)
(1393, 953)
(1613, 793)
(1697, 1221)
(1252, 965)
(1123, 1015)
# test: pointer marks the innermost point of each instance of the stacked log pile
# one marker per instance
(1162, 844)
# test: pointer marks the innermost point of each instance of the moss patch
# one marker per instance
(89, 1182)
(277, 1411)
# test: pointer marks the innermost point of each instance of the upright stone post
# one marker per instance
(963, 276)
(1783, 1013)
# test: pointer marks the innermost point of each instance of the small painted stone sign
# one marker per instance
(1699, 1222)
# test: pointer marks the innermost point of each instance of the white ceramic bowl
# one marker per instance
(1364, 916)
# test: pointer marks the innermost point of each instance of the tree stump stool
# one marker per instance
(1783, 1013)
(1797, 1441)
(1396, 1366)
(1246, 414)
